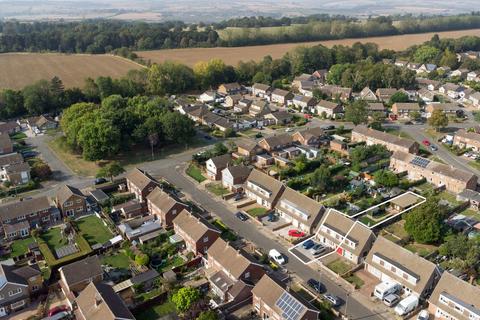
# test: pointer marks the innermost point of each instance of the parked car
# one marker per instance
(28, 154)
(334, 300)
(288, 130)
(433, 147)
(207, 137)
(316, 285)
(426, 142)
(58, 309)
(327, 127)
(307, 116)
(296, 233)
(238, 197)
(100, 181)
(317, 249)
(271, 217)
(423, 315)
(391, 300)
(308, 244)
(60, 316)
(276, 256)
(242, 216)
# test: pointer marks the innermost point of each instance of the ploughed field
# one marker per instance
(232, 55)
(20, 69)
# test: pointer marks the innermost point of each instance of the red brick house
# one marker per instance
(71, 202)
(165, 206)
(140, 183)
(197, 233)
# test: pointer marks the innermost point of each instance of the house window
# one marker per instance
(79, 200)
(70, 212)
(46, 218)
(21, 218)
(393, 269)
(247, 275)
(2, 297)
(33, 214)
(79, 209)
(68, 204)
(14, 292)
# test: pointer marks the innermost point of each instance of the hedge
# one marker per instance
(50, 258)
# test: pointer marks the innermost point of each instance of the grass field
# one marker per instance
(21, 69)
(232, 56)
(93, 230)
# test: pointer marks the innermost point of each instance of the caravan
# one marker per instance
(385, 288)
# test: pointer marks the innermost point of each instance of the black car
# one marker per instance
(242, 216)
(28, 154)
(100, 180)
(316, 285)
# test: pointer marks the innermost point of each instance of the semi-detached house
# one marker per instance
(140, 183)
(215, 165)
(349, 239)
(454, 298)
(71, 201)
(392, 263)
(465, 139)
(272, 300)
(265, 190)
(231, 273)
(301, 211)
(17, 218)
(17, 284)
(164, 206)
(197, 233)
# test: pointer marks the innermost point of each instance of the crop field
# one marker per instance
(233, 55)
(20, 69)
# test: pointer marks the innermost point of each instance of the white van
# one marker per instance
(407, 305)
(276, 256)
(385, 288)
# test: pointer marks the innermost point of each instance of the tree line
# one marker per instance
(102, 36)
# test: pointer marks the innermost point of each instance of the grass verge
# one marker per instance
(195, 172)
(257, 211)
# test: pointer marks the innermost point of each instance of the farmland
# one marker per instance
(233, 55)
(21, 69)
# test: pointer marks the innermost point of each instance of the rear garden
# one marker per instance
(93, 230)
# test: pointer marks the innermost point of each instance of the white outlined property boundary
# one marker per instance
(355, 222)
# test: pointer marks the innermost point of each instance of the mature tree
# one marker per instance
(177, 128)
(211, 73)
(357, 112)
(11, 104)
(38, 98)
(110, 170)
(386, 178)
(73, 119)
(219, 149)
(41, 170)
(398, 96)
(99, 139)
(425, 222)
(449, 59)
(321, 178)
(463, 253)
(170, 78)
(185, 297)
(438, 119)
(415, 115)
(426, 54)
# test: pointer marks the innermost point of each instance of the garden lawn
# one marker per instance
(172, 263)
(217, 189)
(257, 211)
(20, 246)
(93, 230)
(156, 312)
(53, 238)
(119, 260)
(339, 266)
(355, 280)
(195, 172)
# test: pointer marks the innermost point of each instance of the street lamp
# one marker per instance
(346, 305)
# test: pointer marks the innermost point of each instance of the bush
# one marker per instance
(142, 259)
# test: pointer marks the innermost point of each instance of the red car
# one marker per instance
(296, 233)
(307, 116)
(426, 142)
(58, 309)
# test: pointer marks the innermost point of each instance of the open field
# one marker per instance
(232, 56)
(21, 69)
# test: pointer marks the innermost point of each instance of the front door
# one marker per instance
(2, 312)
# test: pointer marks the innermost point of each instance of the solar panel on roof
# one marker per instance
(291, 308)
(421, 162)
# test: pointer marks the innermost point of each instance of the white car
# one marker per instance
(276, 256)
(288, 130)
(423, 315)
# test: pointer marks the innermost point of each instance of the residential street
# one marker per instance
(250, 232)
